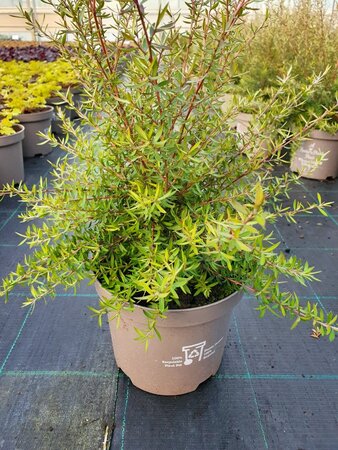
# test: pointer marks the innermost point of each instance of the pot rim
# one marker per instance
(17, 127)
(179, 310)
(245, 117)
(56, 101)
(11, 139)
(45, 113)
(323, 135)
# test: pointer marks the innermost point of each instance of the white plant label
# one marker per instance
(193, 353)
(309, 157)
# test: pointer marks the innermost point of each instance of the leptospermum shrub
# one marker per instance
(162, 198)
(301, 36)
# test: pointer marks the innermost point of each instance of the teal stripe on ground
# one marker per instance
(314, 215)
(277, 377)
(9, 218)
(333, 191)
(15, 340)
(56, 373)
(317, 298)
(66, 294)
(227, 376)
(124, 419)
(251, 385)
(320, 249)
(330, 216)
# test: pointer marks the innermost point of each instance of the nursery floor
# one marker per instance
(276, 388)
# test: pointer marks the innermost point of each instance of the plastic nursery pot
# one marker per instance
(190, 351)
(34, 123)
(77, 100)
(11, 158)
(226, 107)
(304, 160)
(242, 124)
(227, 102)
(243, 121)
(57, 102)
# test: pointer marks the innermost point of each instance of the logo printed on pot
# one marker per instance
(308, 156)
(192, 353)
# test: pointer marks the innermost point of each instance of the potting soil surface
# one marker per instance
(276, 388)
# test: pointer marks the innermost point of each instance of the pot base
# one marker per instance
(33, 144)
(169, 391)
(190, 351)
(11, 158)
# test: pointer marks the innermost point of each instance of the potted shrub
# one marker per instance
(62, 72)
(23, 92)
(294, 36)
(248, 107)
(11, 158)
(164, 210)
(317, 155)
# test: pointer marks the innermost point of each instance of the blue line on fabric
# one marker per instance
(15, 340)
(315, 215)
(55, 373)
(320, 249)
(9, 218)
(124, 419)
(277, 377)
(30, 308)
(66, 294)
(251, 385)
(328, 191)
(226, 376)
(314, 198)
(309, 284)
(279, 233)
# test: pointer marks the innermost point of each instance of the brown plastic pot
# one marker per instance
(11, 158)
(77, 100)
(189, 353)
(34, 123)
(57, 102)
(227, 107)
(242, 122)
(303, 161)
(71, 113)
(227, 102)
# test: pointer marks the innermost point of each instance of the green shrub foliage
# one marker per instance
(301, 36)
(161, 196)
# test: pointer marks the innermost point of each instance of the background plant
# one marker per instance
(162, 198)
(7, 123)
(26, 87)
(302, 35)
(27, 51)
